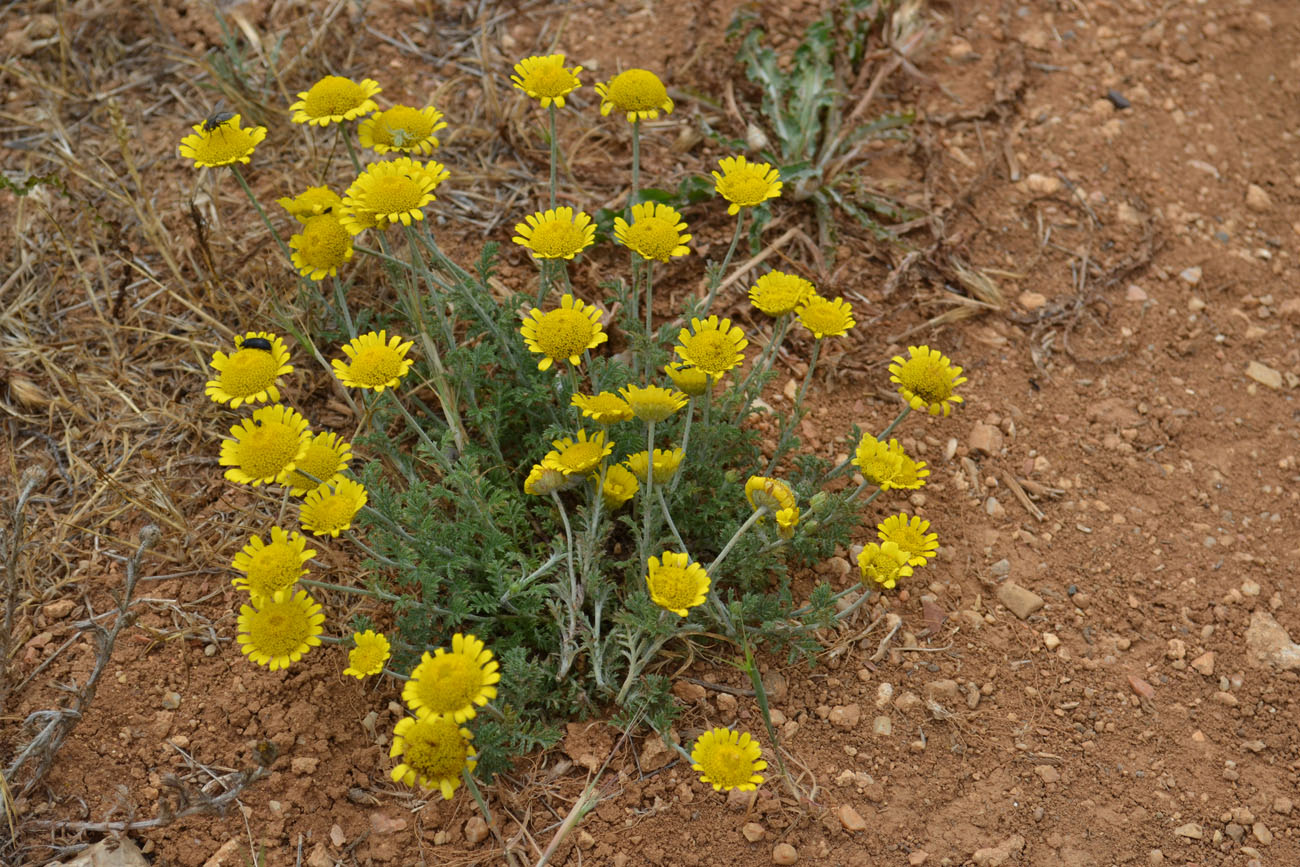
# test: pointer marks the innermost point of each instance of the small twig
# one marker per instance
(1023, 497)
(895, 623)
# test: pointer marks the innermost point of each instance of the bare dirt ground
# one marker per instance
(1088, 678)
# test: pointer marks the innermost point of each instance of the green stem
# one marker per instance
(753, 519)
(419, 430)
(857, 603)
(378, 595)
(663, 504)
(341, 300)
(759, 368)
(686, 441)
(284, 248)
(543, 281)
(842, 465)
(649, 484)
(788, 429)
(636, 165)
(722, 269)
(837, 597)
(649, 301)
(352, 151)
(555, 153)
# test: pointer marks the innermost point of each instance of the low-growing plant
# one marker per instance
(547, 496)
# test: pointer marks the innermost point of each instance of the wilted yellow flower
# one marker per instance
(543, 481)
(620, 486)
(311, 202)
(690, 380)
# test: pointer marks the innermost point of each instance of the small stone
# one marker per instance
(882, 726)
(171, 700)
(884, 694)
(985, 439)
(846, 716)
(1226, 698)
(1176, 648)
(58, 609)
(1051, 641)
(1047, 773)
(1031, 301)
(943, 691)
(1155, 858)
(1043, 185)
(1283, 805)
(753, 832)
(382, 823)
(784, 853)
(907, 702)
(1135, 293)
(1141, 687)
(1250, 588)
(1191, 831)
(1204, 663)
(320, 856)
(996, 856)
(230, 854)
(337, 837)
(476, 830)
(1258, 200)
(1270, 644)
(917, 858)
(1264, 375)
(1018, 600)
(1191, 276)
(304, 765)
(851, 819)
(1261, 833)
(1118, 99)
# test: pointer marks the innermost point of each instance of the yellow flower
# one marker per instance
(330, 510)
(278, 630)
(326, 458)
(777, 293)
(265, 447)
(434, 750)
(564, 333)
(542, 481)
(652, 402)
(375, 361)
(335, 99)
(909, 533)
(773, 493)
(728, 760)
(911, 474)
(394, 191)
(223, 146)
(714, 346)
(887, 465)
(676, 584)
(657, 232)
(786, 521)
(884, 564)
(826, 318)
(746, 184)
(666, 463)
(605, 408)
(578, 456)
(927, 379)
(452, 683)
(402, 128)
(249, 374)
(546, 79)
(557, 233)
(620, 486)
(311, 202)
(321, 248)
(637, 92)
(271, 568)
(690, 380)
(369, 655)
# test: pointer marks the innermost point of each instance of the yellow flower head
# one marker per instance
(394, 191)
(786, 521)
(666, 463)
(728, 760)
(264, 448)
(777, 293)
(578, 456)
(434, 750)
(321, 248)
(546, 79)
(276, 631)
(375, 361)
(268, 569)
(883, 564)
(637, 92)
(911, 474)
(676, 584)
(225, 145)
(543, 481)
(326, 458)
(620, 486)
(369, 654)
(604, 409)
(773, 493)
(402, 128)
(927, 379)
(746, 184)
(249, 374)
(557, 233)
(330, 510)
(826, 318)
(887, 465)
(657, 232)
(335, 99)
(909, 533)
(564, 333)
(311, 202)
(690, 380)
(653, 402)
(452, 683)
(713, 346)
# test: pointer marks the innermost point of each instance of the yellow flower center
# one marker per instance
(267, 449)
(728, 765)
(637, 90)
(557, 239)
(368, 658)
(582, 455)
(549, 80)
(410, 122)
(248, 372)
(927, 378)
(434, 748)
(390, 195)
(745, 189)
(881, 567)
(322, 461)
(279, 629)
(334, 512)
(325, 242)
(673, 587)
(564, 332)
(275, 567)
(376, 365)
(449, 682)
(823, 317)
(777, 293)
(333, 96)
(712, 351)
(653, 238)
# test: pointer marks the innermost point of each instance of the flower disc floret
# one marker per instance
(249, 375)
(578, 456)
(909, 533)
(564, 333)
(434, 750)
(546, 79)
(728, 760)
(543, 481)
(772, 493)
(666, 463)
(278, 630)
(223, 146)
(653, 402)
(375, 361)
(927, 379)
(745, 184)
(322, 246)
(369, 653)
(402, 128)
(263, 449)
(620, 486)
(329, 510)
(883, 564)
(714, 346)
(335, 99)
(311, 202)
(656, 232)
(557, 233)
(394, 191)
(636, 92)
(777, 293)
(327, 457)
(605, 408)
(453, 682)
(824, 317)
(269, 568)
(675, 583)
(689, 380)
